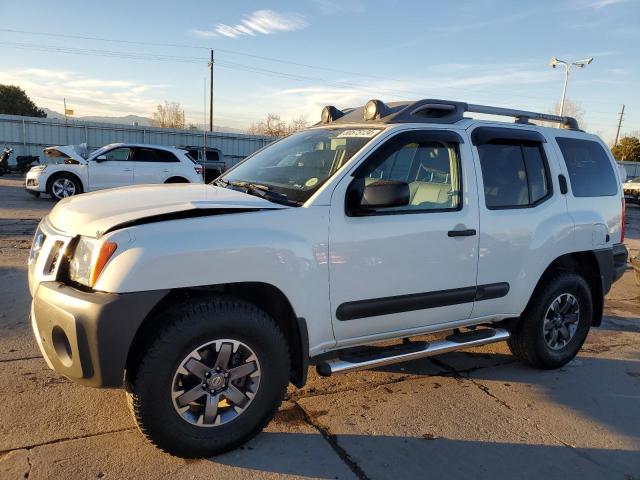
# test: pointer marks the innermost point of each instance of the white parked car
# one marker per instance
(632, 187)
(380, 223)
(70, 170)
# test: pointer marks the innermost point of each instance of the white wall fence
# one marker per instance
(29, 135)
(632, 168)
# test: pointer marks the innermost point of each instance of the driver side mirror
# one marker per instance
(363, 199)
(101, 158)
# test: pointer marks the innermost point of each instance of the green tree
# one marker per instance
(627, 149)
(14, 101)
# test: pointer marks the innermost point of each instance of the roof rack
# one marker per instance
(433, 111)
(523, 116)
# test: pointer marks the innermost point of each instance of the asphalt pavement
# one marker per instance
(471, 414)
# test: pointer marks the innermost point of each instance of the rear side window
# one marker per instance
(590, 170)
(515, 174)
(212, 155)
(153, 155)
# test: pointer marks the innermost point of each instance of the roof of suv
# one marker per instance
(147, 145)
(430, 111)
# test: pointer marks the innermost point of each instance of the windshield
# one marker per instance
(101, 150)
(300, 164)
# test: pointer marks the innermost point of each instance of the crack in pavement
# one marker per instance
(26, 475)
(332, 439)
(20, 359)
(66, 439)
(484, 388)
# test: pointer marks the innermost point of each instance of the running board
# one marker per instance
(410, 351)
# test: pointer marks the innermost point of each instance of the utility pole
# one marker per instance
(619, 124)
(211, 93)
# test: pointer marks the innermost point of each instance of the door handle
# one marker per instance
(470, 232)
(127, 170)
(165, 170)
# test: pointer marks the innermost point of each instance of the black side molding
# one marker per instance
(419, 301)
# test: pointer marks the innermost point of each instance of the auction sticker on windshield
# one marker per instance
(359, 133)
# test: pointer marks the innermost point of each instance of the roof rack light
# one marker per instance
(330, 113)
(374, 110)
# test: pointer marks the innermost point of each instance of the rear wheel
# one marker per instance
(212, 379)
(555, 324)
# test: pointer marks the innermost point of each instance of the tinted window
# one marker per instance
(212, 155)
(432, 170)
(514, 174)
(118, 154)
(153, 155)
(590, 171)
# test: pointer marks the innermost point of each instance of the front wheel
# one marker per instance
(63, 186)
(555, 324)
(212, 379)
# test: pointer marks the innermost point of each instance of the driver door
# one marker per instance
(116, 170)
(410, 267)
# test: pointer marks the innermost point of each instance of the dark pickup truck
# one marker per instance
(211, 159)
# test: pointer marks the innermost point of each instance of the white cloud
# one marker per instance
(86, 95)
(604, 3)
(264, 22)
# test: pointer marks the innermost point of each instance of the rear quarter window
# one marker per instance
(590, 171)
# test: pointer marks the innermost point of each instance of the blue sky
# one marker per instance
(292, 58)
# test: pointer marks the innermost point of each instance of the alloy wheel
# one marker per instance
(63, 188)
(561, 321)
(215, 383)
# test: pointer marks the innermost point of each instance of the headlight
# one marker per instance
(89, 259)
(36, 245)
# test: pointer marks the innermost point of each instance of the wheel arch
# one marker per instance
(177, 179)
(62, 173)
(265, 296)
(585, 264)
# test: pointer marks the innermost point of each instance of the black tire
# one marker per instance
(527, 341)
(51, 185)
(34, 194)
(188, 327)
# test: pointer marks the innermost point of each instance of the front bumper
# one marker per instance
(86, 336)
(33, 182)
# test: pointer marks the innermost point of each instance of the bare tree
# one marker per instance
(274, 126)
(169, 115)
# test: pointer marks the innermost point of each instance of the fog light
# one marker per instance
(61, 346)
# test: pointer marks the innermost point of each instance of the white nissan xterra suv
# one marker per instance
(379, 223)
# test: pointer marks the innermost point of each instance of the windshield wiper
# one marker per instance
(258, 190)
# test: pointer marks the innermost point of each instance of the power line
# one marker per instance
(260, 57)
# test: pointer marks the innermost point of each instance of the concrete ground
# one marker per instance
(473, 414)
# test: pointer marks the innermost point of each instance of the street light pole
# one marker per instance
(564, 88)
(567, 67)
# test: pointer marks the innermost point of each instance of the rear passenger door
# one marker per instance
(524, 222)
(406, 268)
(153, 165)
(594, 191)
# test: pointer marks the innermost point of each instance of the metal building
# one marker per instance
(29, 135)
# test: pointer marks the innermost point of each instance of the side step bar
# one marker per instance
(411, 351)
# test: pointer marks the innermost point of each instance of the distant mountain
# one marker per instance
(130, 120)
(126, 119)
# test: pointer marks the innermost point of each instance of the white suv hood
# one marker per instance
(92, 214)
